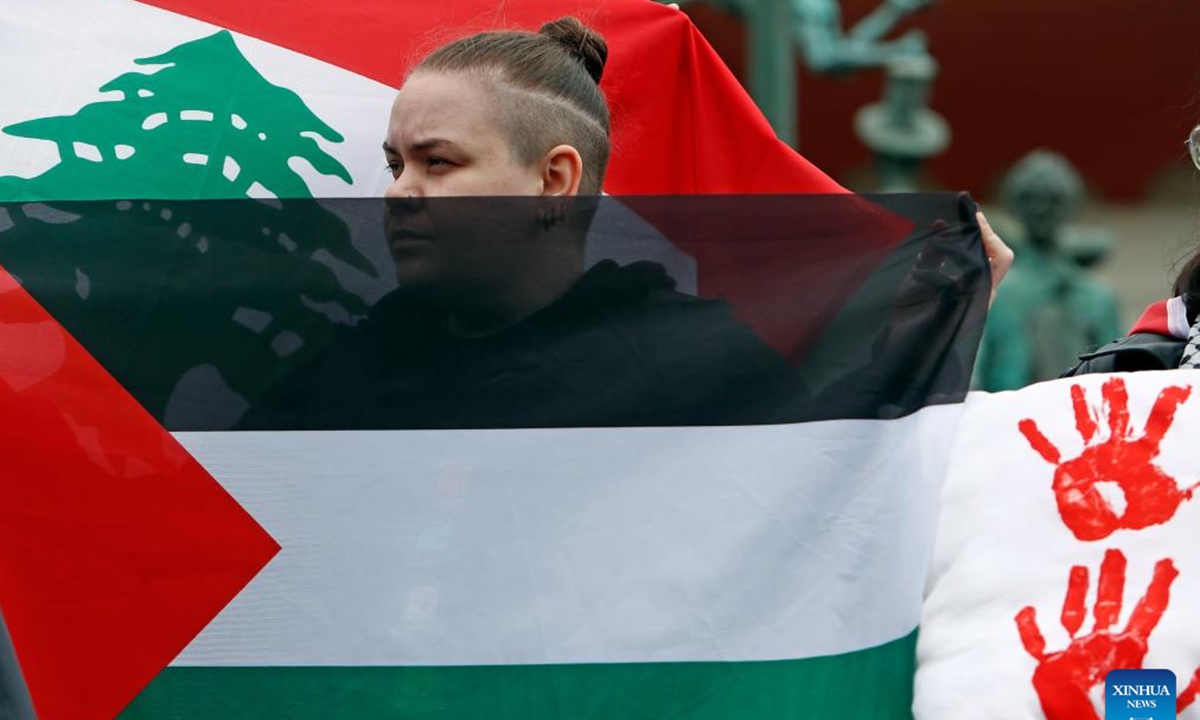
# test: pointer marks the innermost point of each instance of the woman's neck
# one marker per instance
(508, 305)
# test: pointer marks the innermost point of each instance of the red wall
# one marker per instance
(1112, 84)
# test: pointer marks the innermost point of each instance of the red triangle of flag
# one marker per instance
(116, 546)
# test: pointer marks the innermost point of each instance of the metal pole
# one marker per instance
(773, 65)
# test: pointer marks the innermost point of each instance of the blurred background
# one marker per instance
(974, 86)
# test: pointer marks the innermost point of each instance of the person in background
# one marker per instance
(1167, 335)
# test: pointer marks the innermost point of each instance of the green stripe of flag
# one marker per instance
(826, 687)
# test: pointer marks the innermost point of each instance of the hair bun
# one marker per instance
(583, 43)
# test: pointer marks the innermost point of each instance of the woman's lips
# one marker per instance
(407, 241)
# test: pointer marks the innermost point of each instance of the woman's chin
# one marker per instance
(416, 273)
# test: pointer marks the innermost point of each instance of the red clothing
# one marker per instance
(1165, 317)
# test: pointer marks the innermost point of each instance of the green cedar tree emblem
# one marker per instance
(229, 296)
(205, 124)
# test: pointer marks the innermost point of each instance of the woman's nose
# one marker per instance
(401, 188)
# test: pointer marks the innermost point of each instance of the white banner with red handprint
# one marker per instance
(1068, 546)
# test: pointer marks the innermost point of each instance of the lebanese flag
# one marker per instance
(681, 121)
(212, 99)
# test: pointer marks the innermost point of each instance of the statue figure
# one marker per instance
(1049, 310)
(777, 28)
(827, 48)
(902, 131)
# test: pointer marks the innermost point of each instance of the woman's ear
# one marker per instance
(562, 171)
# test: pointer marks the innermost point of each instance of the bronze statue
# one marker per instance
(901, 130)
(1049, 310)
(827, 48)
(779, 28)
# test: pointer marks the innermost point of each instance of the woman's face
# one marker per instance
(443, 140)
(448, 234)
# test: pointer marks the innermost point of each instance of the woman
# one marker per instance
(496, 321)
(497, 114)
(515, 114)
(1167, 335)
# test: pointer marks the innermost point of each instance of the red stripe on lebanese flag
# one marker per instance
(116, 546)
(682, 124)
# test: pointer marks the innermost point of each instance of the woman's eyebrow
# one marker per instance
(419, 146)
(430, 144)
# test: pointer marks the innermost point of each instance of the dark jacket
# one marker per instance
(1140, 351)
(621, 348)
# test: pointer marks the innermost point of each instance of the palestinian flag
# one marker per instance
(629, 504)
(248, 476)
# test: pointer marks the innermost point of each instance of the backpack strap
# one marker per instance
(1140, 351)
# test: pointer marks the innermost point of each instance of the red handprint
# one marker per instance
(1151, 496)
(1062, 679)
